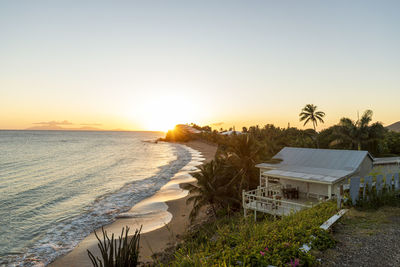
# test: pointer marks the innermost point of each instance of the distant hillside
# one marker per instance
(59, 128)
(394, 127)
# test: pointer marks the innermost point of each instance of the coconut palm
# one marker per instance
(358, 133)
(211, 188)
(242, 155)
(310, 113)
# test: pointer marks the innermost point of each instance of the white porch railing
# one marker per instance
(257, 200)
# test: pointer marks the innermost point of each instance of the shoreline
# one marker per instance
(153, 241)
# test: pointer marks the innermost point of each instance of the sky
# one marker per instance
(147, 65)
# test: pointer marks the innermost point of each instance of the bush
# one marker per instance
(243, 242)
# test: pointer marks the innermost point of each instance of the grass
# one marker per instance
(367, 219)
(238, 241)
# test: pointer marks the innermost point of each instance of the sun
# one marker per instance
(163, 113)
(160, 122)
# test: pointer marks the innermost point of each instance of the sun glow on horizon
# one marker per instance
(163, 113)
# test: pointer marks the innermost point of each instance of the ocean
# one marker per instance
(56, 187)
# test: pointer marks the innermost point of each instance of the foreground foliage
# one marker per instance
(115, 253)
(221, 181)
(212, 188)
(239, 241)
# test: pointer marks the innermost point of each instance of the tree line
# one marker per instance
(220, 182)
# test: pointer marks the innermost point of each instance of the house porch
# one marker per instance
(265, 200)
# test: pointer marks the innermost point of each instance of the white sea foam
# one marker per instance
(81, 181)
(154, 208)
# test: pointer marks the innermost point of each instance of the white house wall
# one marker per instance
(320, 189)
(314, 188)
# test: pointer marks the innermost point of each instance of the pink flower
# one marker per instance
(294, 263)
(266, 249)
(262, 253)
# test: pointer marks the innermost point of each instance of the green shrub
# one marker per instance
(242, 242)
(323, 240)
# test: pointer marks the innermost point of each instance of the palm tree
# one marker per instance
(242, 155)
(358, 133)
(310, 113)
(211, 188)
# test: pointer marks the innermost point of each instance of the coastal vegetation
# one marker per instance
(228, 239)
(360, 134)
(123, 252)
(237, 241)
(178, 135)
(222, 181)
(310, 113)
(211, 189)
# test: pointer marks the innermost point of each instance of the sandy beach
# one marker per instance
(155, 241)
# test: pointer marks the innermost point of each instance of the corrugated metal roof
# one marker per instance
(384, 161)
(320, 165)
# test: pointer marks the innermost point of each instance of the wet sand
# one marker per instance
(151, 242)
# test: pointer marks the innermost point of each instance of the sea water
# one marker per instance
(56, 187)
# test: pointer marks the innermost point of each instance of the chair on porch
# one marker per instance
(290, 192)
(295, 193)
(286, 191)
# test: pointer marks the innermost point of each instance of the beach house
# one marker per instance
(298, 178)
(387, 165)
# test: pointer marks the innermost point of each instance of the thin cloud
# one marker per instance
(54, 123)
(91, 124)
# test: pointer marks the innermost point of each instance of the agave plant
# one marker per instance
(117, 253)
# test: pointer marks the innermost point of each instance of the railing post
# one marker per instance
(329, 191)
(339, 196)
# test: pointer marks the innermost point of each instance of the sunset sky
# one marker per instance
(147, 65)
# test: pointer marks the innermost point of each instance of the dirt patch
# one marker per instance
(366, 239)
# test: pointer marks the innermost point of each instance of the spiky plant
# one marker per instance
(117, 253)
